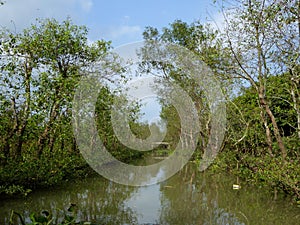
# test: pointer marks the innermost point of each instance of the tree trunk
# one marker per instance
(13, 131)
(51, 143)
(278, 137)
(22, 127)
(268, 132)
(297, 109)
(41, 141)
(295, 96)
(263, 71)
(45, 134)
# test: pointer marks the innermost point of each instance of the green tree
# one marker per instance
(286, 35)
(246, 132)
(40, 69)
(105, 128)
(251, 41)
(203, 41)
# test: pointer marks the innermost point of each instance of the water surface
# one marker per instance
(189, 197)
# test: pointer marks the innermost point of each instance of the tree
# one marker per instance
(104, 105)
(244, 109)
(250, 38)
(203, 41)
(286, 35)
(40, 69)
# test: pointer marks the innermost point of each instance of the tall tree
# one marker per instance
(40, 69)
(202, 40)
(286, 27)
(250, 37)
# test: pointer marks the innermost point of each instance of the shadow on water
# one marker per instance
(189, 197)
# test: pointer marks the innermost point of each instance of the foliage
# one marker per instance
(245, 152)
(263, 112)
(40, 69)
(262, 171)
(263, 39)
(245, 131)
(259, 48)
(22, 177)
(106, 131)
(203, 41)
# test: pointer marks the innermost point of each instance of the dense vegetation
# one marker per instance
(256, 57)
(40, 69)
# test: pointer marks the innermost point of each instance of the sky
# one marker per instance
(121, 22)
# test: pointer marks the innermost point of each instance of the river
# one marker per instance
(189, 197)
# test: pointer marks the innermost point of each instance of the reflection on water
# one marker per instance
(146, 203)
(189, 197)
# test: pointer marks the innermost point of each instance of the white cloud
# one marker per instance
(19, 14)
(124, 31)
(86, 5)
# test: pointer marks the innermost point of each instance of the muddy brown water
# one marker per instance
(189, 197)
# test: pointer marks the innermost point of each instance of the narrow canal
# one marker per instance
(189, 197)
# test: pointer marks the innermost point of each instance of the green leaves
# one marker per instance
(40, 70)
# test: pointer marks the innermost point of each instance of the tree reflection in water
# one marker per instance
(189, 197)
(194, 201)
(96, 199)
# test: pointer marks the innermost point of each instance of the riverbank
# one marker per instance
(20, 177)
(270, 172)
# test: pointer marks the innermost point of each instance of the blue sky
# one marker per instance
(119, 21)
